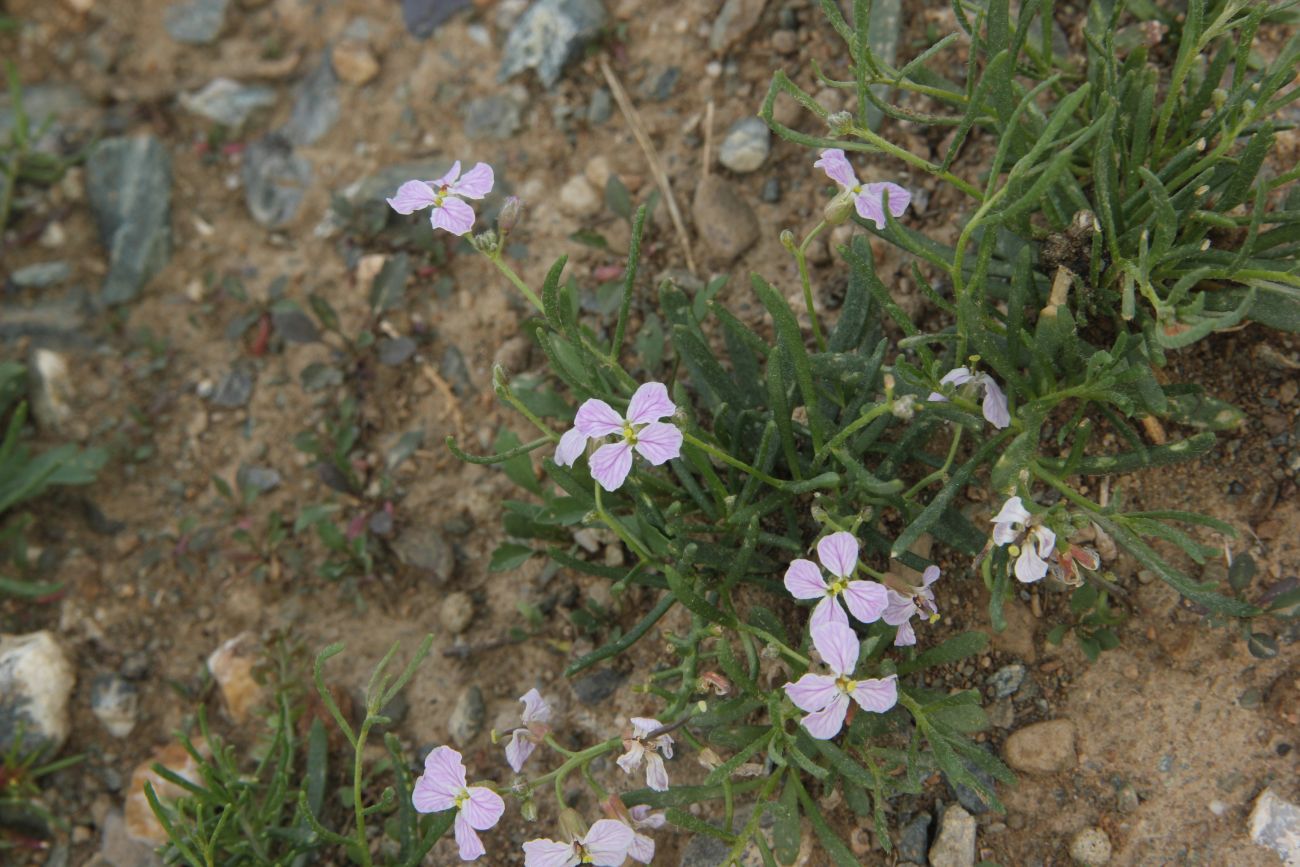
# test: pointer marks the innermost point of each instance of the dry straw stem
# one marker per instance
(652, 157)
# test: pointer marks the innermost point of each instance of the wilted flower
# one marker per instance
(639, 748)
(869, 199)
(838, 553)
(1031, 542)
(536, 715)
(642, 430)
(442, 786)
(1064, 564)
(903, 606)
(826, 696)
(995, 402)
(448, 212)
(605, 845)
(640, 816)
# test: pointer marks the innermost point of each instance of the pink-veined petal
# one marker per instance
(837, 645)
(869, 209)
(659, 442)
(1005, 533)
(665, 745)
(535, 707)
(412, 196)
(804, 580)
(877, 694)
(519, 749)
(427, 799)
(643, 816)
(572, 444)
(610, 465)
(631, 760)
(839, 554)
(642, 849)
(449, 178)
(906, 635)
(827, 722)
(596, 418)
(643, 725)
(1046, 541)
(471, 847)
(476, 183)
(446, 770)
(1029, 566)
(828, 611)
(811, 692)
(548, 853)
(453, 216)
(957, 376)
(995, 405)
(650, 403)
(929, 576)
(1012, 512)
(483, 809)
(837, 168)
(866, 600)
(899, 610)
(656, 776)
(898, 196)
(608, 841)
(936, 397)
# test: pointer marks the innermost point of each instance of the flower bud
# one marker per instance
(528, 809)
(486, 242)
(509, 216)
(572, 823)
(839, 209)
(904, 408)
(787, 240)
(840, 123)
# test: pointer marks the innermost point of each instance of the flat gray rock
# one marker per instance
(1275, 824)
(36, 680)
(195, 22)
(275, 180)
(228, 102)
(129, 184)
(549, 35)
(315, 105)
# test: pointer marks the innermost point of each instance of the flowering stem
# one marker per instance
(358, 805)
(942, 472)
(856, 425)
(911, 159)
(550, 741)
(751, 827)
(1068, 492)
(801, 258)
(735, 462)
(780, 645)
(619, 530)
(573, 761)
(509, 274)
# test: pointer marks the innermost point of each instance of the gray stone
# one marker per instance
(41, 275)
(36, 679)
(50, 107)
(955, 845)
(115, 702)
(704, 850)
(129, 184)
(491, 117)
(275, 180)
(723, 219)
(1006, 680)
(424, 549)
(315, 105)
(549, 35)
(1127, 800)
(235, 388)
(395, 350)
(968, 796)
(422, 17)
(1090, 848)
(467, 717)
(1275, 824)
(746, 145)
(195, 22)
(736, 18)
(660, 87)
(456, 612)
(55, 323)
(597, 686)
(914, 842)
(228, 102)
(255, 478)
(119, 849)
(601, 107)
(771, 191)
(1042, 748)
(456, 372)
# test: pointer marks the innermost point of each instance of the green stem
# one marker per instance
(751, 827)
(735, 462)
(509, 274)
(619, 530)
(856, 425)
(574, 760)
(801, 257)
(942, 472)
(363, 848)
(775, 642)
(1066, 491)
(913, 160)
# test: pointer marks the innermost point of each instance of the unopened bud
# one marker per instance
(904, 408)
(572, 823)
(787, 240)
(528, 810)
(708, 758)
(1220, 97)
(840, 123)
(486, 242)
(839, 209)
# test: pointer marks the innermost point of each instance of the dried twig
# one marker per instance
(708, 141)
(652, 157)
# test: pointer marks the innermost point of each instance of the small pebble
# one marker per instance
(1090, 848)
(456, 612)
(746, 145)
(577, 198)
(467, 717)
(785, 42)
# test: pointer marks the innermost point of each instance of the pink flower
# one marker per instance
(995, 402)
(869, 199)
(448, 212)
(639, 748)
(826, 696)
(442, 787)
(643, 847)
(536, 715)
(642, 430)
(605, 845)
(902, 606)
(1031, 543)
(838, 553)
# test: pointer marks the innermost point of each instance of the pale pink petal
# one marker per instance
(1029, 566)
(598, 419)
(643, 725)
(898, 197)
(484, 808)
(828, 611)
(957, 376)
(1005, 533)
(452, 215)
(476, 183)
(411, 197)
(608, 841)
(929, 576)
(995, 405)
(659, 442)
(650, 403)
(877, 694)
(899, 610)
(610, 465)
(827, 722)
(804, 580)
(642, 849)
(866, 600)
(811, 692)
(572, 444)
(631, 760)
(427, 799)
(656, 776)
(838, 646)
(837, 168)
(548, 853)
(644, 817)
(535, 707)
(471, 847)
(906, 635)
(870, 210)
(1046, 541)
(665, 745)
(1013, 512)
(445, 770)
(839, 554)
(449, 178)
(936, 397)
(519, 749)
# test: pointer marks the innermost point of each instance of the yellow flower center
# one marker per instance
(838, 586)
(628, 433)
(462, 798)
(846, 683)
